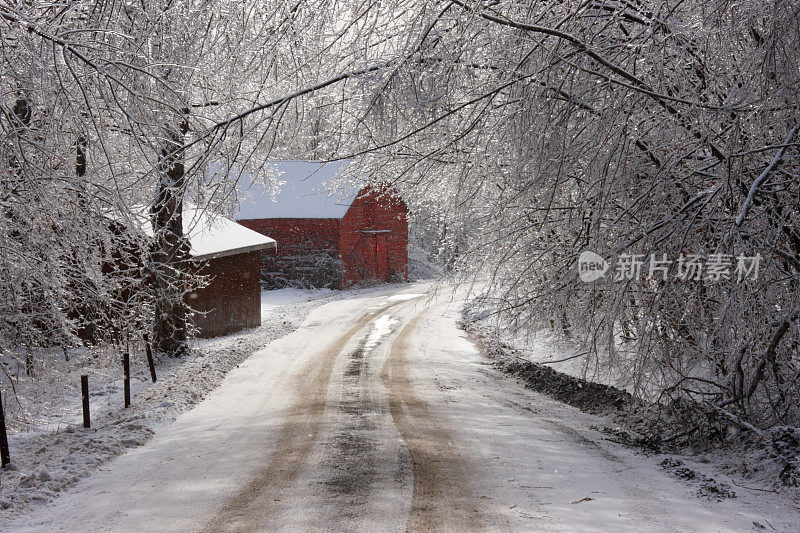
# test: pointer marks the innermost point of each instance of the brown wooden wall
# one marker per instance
(232, 300)
(290, 233)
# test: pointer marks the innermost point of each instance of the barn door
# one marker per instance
(369, 256)
(381, 257)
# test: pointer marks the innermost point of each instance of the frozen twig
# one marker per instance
(564, 359)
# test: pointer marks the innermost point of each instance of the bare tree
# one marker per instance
(660, 131)
(153, 95)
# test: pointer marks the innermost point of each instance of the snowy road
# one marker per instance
(378, 415)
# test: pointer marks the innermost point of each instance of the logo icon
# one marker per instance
(591, 266)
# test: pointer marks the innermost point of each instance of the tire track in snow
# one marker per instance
(443, 498)
(351, 459)
(254, 504)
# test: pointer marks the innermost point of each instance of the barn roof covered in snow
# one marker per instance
(308, 192)
(211, 236)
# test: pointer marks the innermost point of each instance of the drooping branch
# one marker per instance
(762, 178)
(635, 83)
(769, 355)
(277, 102)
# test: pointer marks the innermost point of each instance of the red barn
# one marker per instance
(325, 238)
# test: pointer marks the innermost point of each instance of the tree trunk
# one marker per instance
(170, 254)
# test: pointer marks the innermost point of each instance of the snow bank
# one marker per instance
(682, 433)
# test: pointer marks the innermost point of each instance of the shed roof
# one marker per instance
(308, 192)
(219, 236)
(211, 236)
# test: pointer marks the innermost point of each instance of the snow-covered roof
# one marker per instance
(307, 192)
(211, 236)
(218, 236)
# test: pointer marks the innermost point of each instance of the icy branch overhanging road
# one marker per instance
(377, 414)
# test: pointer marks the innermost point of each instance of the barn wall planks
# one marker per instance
(374, 238)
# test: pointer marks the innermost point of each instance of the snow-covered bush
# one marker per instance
(304, 265)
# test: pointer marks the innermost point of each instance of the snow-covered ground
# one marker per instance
(748, 462)
(545, 347)
(51, 451)
(378, 414)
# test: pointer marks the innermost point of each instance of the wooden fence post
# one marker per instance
(126, 370)
(4, 453)
(150, 361)
(85, 397)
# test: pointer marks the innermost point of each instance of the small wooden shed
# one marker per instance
(230, 255)
(327, 239)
